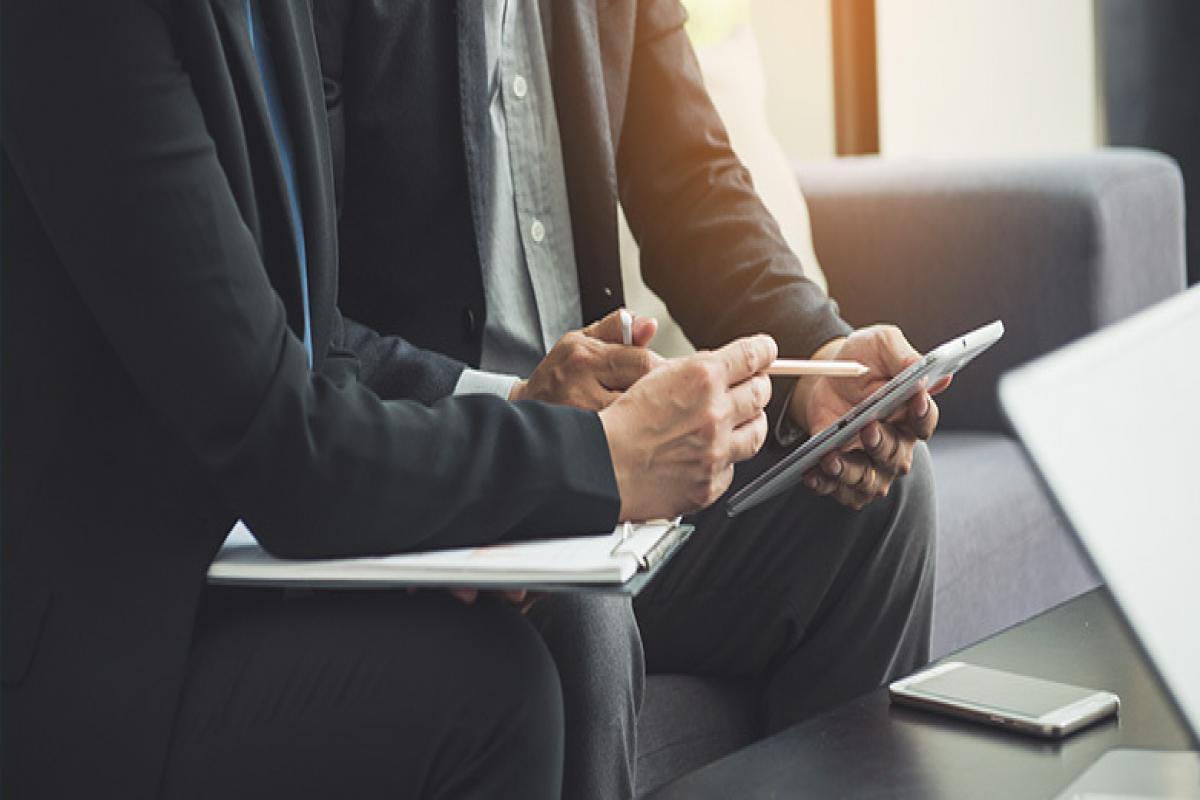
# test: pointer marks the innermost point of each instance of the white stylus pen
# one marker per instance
(626, 327)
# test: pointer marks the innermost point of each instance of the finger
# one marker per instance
(606, 329)
(819, 482)
(851, 497)
(749, 398)
(846, 468)
(624, 366)
(644, 329)
(922, 418)
(889, 448)
(465, 595)
(747, 439)
(861, 480)
(942, 385)
(744, 357)
(895, 353)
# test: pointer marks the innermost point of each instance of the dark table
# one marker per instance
(867, 748)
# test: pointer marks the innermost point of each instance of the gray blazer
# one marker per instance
(405, 91)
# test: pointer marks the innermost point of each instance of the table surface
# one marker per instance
(868, 748)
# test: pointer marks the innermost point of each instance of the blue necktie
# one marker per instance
(266, 69)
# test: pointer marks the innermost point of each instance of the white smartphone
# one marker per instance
(1005, 699)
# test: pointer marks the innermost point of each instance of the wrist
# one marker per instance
(610, 422)
(798, 406)
(517, 391)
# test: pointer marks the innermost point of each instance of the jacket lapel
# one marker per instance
(294, 48)
(295, 63)
(472, 86)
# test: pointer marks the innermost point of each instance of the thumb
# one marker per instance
(607, 329)
(644, 329)
(895, 352)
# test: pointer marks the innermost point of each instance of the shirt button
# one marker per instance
(537, 230)
(520, 87)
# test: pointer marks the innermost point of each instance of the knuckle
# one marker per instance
(645, 362)
(759, 393)
(747, 355)
(759, 434)
(700, 371)
(710, 422)
(768, 390)
(576, 355)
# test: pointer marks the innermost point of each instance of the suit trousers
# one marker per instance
(366, 695)
(384, 694)
(809, 601)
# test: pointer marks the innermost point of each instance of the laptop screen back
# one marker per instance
(1112, 422)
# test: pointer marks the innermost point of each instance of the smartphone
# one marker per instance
(1005, 699)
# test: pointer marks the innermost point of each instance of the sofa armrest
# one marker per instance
(1055, 247)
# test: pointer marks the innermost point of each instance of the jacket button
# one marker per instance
(470, 323)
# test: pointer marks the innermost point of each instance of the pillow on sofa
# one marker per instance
(733, 73)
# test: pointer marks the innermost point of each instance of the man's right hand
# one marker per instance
(589, 368)
(676, 434)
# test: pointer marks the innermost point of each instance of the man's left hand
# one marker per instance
(883, 450)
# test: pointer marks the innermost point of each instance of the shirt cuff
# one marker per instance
(787, 432)
(477, 381)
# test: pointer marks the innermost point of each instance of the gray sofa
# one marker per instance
(1055, 248)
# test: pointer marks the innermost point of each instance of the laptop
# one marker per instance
(1112, 424)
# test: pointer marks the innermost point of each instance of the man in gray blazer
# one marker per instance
(481, 148)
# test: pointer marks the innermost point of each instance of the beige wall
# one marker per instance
(956, 77)
(965, 77)
(793, 37)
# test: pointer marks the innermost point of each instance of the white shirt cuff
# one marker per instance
(477, 381)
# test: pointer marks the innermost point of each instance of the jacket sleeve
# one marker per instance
(392, 367)
(709, 247)
(103, 128)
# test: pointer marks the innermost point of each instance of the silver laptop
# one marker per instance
(1112, 423)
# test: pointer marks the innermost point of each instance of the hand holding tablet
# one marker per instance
(885, 402)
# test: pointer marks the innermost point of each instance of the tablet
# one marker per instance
(944, 360)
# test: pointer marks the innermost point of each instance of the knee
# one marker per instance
(590, 629)
(596, 646)
(914, 505)
(522, 677)
(510, 710)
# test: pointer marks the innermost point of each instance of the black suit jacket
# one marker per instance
(406, 94)
(154, 390)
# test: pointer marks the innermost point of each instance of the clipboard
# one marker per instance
(613, 563)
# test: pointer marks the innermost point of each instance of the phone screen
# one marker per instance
(1003, 691)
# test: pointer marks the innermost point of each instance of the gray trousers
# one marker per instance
(809, 601)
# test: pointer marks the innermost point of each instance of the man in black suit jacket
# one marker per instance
(174, 359)
(432, 106)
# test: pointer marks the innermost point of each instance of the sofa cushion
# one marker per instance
(1003, 552)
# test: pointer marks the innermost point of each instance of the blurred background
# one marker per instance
(801, 81)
